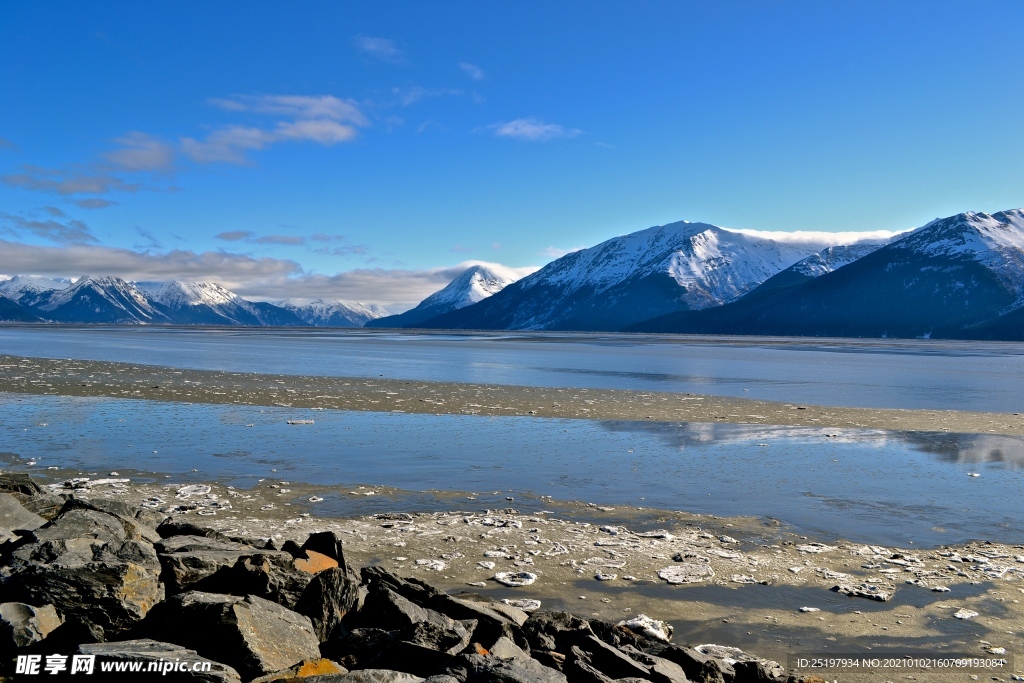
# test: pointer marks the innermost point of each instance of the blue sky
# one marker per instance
(366, 150)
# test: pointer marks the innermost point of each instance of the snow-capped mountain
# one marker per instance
(818, 264)
(99, 300)
(473, 285)
(12, 311)
(334, 312)
(679, 266)
(27, 289)
(201, 303)
(961, 276)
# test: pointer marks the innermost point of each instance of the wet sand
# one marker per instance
(763, 573)
(125, 380)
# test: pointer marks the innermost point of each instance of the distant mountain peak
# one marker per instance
(333, 312)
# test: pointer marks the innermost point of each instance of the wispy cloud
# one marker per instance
(68, 181)
(413, 94)
(322, 119)
(819, 237)
(141, 152)
(149, 240)
(459, 249)
(533, 130)
(473, 71)
(252, 238)
(93, 203)
(62, 232)
(383, 49)
(558, 252)
(7, 144)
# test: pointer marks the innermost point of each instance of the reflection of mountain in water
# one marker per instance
(946, 447)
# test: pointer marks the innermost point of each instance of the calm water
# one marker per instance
(873, 486)
(879, 374)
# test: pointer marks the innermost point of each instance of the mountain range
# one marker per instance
(111, 300)
(956, 277)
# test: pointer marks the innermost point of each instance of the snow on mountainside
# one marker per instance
(177, 294)
(996, 241)
(834, 258)
(100, 299)
(679, 266)
(473, 285)
(26, 289)
(334, 312)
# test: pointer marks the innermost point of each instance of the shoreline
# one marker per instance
(761, 573)
(46, 376)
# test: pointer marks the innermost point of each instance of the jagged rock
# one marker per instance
(11, 482)
(23, 625)
(174, 527)
(82, 524)
(617, 636)
(358, 648)
(483, 669)
(13, 514)
(754, 672)
(216, 565)
(607, 659)
(412, 589)
(555, 631)
(309, 669)
(494, 619)
(733, 656)
(253, 635)
(369, 676)
(139, 523)
(578, 669)
(326, 543)
(161, 655)
(661, 670)
(329, 597)
(504, 648)
(696, 665)
(388, 610)
(46, 505)
(109, 585)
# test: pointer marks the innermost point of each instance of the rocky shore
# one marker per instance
(90, 581)
(205, 573)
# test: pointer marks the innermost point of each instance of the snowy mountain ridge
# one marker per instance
(333, 312)
(26, 289)
(475, 284)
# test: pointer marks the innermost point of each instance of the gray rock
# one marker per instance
(173, 527)
(661, 670)
(388, 610)
(368, 676)
(696, 665)
(483, 669)
(108, 586)
(46, 505)
(608, 660)
(329, 597)
(139, 523)
(555, 631)
(415, 590)
(359, 648)
(504, 648)
(253, 635)
(442, 678)
(147, 651)
(23, 625)
(11, 482)
(13, 514)
(82, 524)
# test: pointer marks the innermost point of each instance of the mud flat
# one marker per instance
(125, 380)
(745, 582)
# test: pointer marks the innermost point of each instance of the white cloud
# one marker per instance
(68, 181)
(819, 237)
(322, 119)
(383, 49)
(141, 152)
(558, 252)
(62, 232)
(533, 129)
(413, 94)
(473, 71)
(255, 278)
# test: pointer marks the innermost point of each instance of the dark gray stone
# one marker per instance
(147, 651)
(109, 586)
(13, 514)
(253, 635)
(358, 648)
(22, 625)
(11, 482)
(483, 669)
(82, 524)
(698, 667)
(139, 523)
(661, 670)
(609, 660)
(555, 631)
(329, 597)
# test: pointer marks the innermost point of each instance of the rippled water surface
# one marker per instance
(863, 373)
(873, 486)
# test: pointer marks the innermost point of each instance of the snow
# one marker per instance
(111, 289)
(29, 286)
(179, 294)
(474, 284)
(320, 311)
(834, 258)
(713, 265)
(996, 241)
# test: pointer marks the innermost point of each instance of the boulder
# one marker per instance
(108, 586)
(387, 610)
(369, 676)
(13, 514)
(607, 659)
(139, 523)
(494, 619)
(160, 656)
(253, 635)
(358, 648)
(22, 625)
(12, 482)
(696, 665)
(310, 668)
(555, 631)
(329, 597)
(483, 669)
(82, 524)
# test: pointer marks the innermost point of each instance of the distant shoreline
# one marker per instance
(63, 377)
